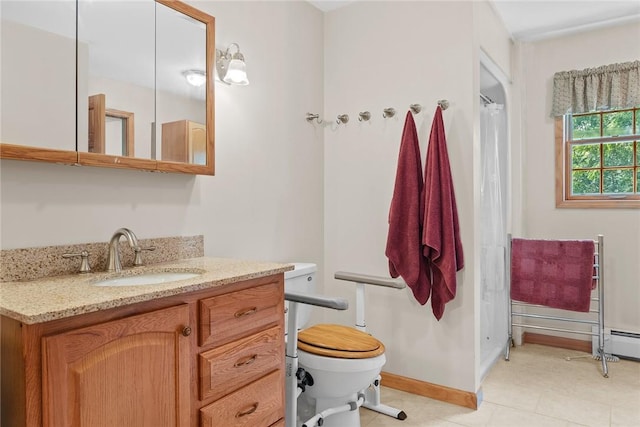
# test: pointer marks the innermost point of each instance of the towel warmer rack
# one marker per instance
(598, 310)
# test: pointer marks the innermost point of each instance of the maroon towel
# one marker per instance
(553, 273)
(441, 232)
(404, 248)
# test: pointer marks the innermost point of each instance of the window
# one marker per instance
(598, 159)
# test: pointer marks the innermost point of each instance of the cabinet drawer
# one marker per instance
(234, 365)
(227, 317)
(260, 404)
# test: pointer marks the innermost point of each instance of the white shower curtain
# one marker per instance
(493, 238)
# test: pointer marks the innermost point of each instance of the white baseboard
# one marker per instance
(623, 344)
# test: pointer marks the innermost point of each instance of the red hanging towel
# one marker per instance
(441, 233)
(404, 247)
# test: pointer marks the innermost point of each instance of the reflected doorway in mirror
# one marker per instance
(110, 131)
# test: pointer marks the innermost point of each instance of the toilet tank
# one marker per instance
(301, 280)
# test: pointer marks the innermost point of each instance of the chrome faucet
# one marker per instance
(113, 259)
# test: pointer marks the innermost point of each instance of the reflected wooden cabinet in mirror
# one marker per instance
(118, 99)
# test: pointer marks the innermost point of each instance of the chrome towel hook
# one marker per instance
(443, 103)
(415, 108)
(364, 115)
(312, 116)
(388, 112)
(342, 118)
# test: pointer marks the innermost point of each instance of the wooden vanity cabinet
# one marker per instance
(150, 364)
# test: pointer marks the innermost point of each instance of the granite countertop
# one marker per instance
(53, 298)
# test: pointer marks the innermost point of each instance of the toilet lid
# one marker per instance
(339, 341)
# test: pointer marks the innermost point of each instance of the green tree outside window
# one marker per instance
(603, 161)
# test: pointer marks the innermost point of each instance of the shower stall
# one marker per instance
(494, 148)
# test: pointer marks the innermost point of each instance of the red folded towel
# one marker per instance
(404, 248)
(553, 273)
(441, 231)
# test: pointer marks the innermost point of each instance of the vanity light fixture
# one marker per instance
(195, 77)
(231, 67)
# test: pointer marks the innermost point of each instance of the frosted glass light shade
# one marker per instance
(236, 73)
(195, 77)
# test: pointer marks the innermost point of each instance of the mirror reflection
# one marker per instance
(110, 131)
(116, 50)
(148, 67)
(180, 89)
(116, 136)
(38, 79)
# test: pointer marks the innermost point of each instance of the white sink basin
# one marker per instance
(147, 279)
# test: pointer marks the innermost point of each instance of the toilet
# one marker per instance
(341, 360)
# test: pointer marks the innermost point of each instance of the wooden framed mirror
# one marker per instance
(139, 70)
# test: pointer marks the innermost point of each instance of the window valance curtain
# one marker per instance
(615, 86)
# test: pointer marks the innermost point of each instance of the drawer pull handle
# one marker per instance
(246, 312)
(186, 331)
(249, 411)
(246, 361)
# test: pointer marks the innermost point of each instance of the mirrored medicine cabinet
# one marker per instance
(124, 84)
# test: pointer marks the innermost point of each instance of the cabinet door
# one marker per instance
(197, 143)
(129, 372)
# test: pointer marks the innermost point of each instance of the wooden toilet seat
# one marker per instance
(339, 341)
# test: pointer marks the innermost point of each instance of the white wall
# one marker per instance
(621, 227)
(265, 201)
(392, 54)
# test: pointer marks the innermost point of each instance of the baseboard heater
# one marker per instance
(620, 343)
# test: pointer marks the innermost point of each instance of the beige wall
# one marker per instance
(621, 227)
(265, 201)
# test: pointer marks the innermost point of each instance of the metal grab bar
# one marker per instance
(371, 280)
(317, 300)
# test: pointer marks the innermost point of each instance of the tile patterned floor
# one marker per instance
(537, 388)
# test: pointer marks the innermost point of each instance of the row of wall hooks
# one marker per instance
(365, 116)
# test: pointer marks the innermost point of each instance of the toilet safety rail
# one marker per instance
(292, 391)
(372, 394)
(370, 280)
(364, 279)
(317, 300)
